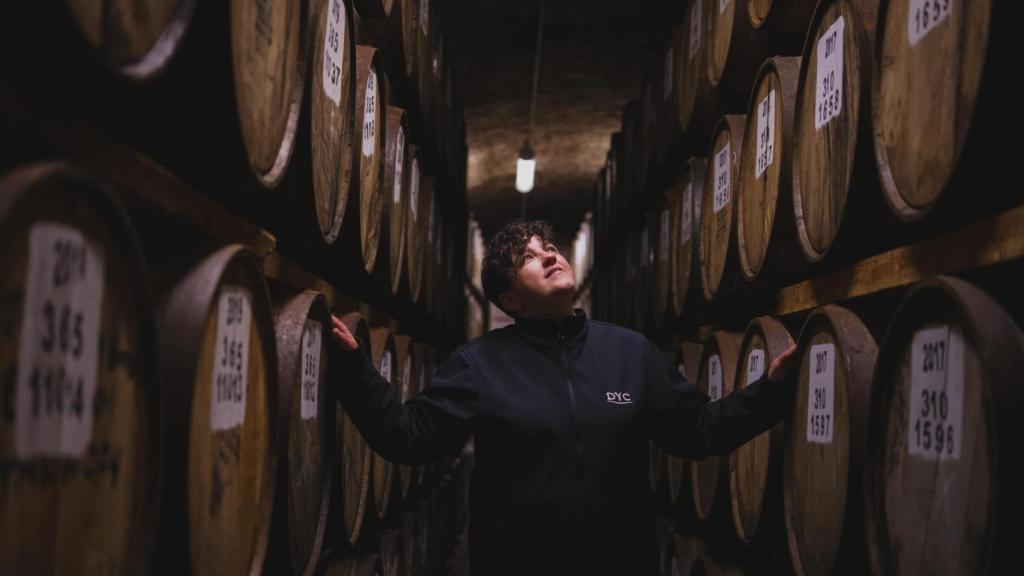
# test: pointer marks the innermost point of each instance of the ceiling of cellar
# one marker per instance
(594, 55)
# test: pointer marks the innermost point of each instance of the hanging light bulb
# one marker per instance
(525, 167)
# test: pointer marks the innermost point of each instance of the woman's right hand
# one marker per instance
(342, 336)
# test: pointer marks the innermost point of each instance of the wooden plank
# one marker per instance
(133, 175)
(984, 243)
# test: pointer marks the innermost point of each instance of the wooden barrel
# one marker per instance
(688, 356)
(375, 8)
(367, 565)
(425, 363)
(410, 36)
(135, 38)
(424, 536)
(392, 555)
(717, 247)
(353, 459)
(764, 340)
(431, 254)
(830, 126)
(734, 52)
(688, 550)
(627, 157)
(333, 114)
(425, 53)
(825, 441)
(691, 62)
(715, 378)
(690, 186)
(785, 21)
(409, 542)
(382, 345)
(420, 192)
(269, 59)
(644, 135)
(630, 306)
(441, 111)
(665, 250)
(426, 249)
(395, 178)
(616, 155)
(927, 80)
(371, 128)
(406, 387)
(302, 324)
(764, 219)
(666, 545)
(220, 363)
(443, 527)
(939, 470)
(665, 95)
(648, 259)
(75, 302)
(668, 564)
(706, 566)
(437, 551)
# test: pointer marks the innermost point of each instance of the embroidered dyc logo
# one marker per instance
(619, 397)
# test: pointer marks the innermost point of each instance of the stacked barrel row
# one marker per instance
(583, 249)
(338, 128)
(803, 135)
(893, 457)
(188, 423)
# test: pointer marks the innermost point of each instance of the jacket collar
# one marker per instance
(554, 331)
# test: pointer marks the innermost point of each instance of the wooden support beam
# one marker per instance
(991, 241)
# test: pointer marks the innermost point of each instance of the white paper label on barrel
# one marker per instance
(58, 357)
(230, 359)
(666, 83)
(311, 334)
(695, 26)
(424, 15)
(936, 393)
(687, 215)
(828, 99)
(334, 50)
(399, 159)
(821, 393)
(715, 377)
(765, 133)
(722, 166)
(755, 365)
(925, 15)
(370, 115)
(682, 370)
(722, 5)
(414, 187)
(664, 245)
(385, 366)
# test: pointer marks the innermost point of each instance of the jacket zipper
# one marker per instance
(575, 423)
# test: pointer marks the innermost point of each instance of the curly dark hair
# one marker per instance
(498, 272)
